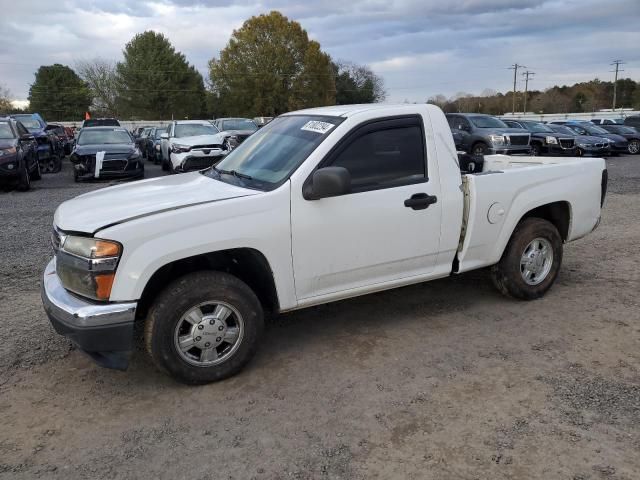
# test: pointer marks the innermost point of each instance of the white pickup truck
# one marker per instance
(319, 205)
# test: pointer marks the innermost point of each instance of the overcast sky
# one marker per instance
(419, 47)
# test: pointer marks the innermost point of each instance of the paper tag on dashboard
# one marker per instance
(99, 160)
(317, 126)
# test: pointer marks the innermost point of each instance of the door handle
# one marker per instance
(420, 201)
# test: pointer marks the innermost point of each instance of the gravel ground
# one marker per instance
(435, 381)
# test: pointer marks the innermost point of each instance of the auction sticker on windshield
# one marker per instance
(317, 126)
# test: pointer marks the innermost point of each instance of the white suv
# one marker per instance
(192, 145)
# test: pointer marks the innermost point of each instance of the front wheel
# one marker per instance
(531, 261)
(204, 327)
(36, 174)
(634, 147)
(534, 150)
(479, 149)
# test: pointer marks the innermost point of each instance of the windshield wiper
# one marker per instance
(235, 173)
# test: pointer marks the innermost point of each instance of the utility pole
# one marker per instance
(515, 68)
(526, 74)
(617, 64)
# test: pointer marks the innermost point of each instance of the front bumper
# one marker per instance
(6, 173)
(103, 330)
(520, 150)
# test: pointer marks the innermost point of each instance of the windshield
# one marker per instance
(239, 124)
(538, 128)
(158, 132)
(29, 122)
(5, 131)
(103, 137)
(271, 154)
(592, 129)
(562, 129)
(194, 129)
(487, 122)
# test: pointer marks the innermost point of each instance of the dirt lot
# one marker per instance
(445, 380)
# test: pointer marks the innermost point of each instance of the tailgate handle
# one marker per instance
(420, 201)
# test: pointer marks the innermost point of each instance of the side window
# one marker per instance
(21, 130)
(384, 157)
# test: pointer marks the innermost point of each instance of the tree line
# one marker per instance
(269, 66)
(581, 97)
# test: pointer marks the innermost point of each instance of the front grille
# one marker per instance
(198, 163)
(56, 239)
(113, 165)
(519, 139)
(567, 142)
(206, 147)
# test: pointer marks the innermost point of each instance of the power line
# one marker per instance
(515, 68)
(617, 64)
(526, 75)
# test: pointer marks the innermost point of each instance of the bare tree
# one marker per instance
(5, 99)
(102, 78)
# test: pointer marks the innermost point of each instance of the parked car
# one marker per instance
(633, 121)
(480, 134)
(192, 145)
(63, 133)
(106, 152)
(100, 122)
(50, 150)
(141, 138)
(607, 121)
(617, 143)
(136, 132)
(151, 146)
(18, 154)
(631, 134)
(585, 144)
(237, 130)
(346, 200)
(544, 141)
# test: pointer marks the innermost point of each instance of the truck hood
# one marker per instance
(93, 211)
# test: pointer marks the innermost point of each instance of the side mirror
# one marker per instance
(327, 182)
(27, 137)
(164, 136)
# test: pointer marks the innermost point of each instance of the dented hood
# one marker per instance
(93, 211)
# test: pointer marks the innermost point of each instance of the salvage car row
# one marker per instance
(481, 134)
(102, 149)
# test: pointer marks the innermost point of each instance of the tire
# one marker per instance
(165, 167)
(56, 164)
(167, 320)
(509, 274)
(24, 183)
(36, 174)
(579, 152)
(534, 150)
(479, 149)
(634, 147)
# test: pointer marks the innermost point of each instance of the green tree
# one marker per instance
(357, 84)
(156, 82)
(58, 93)
(269, 67)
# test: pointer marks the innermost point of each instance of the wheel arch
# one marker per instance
(248, 264)
(558, 213)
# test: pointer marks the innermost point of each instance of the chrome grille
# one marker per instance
(566, 142)
(57, 239)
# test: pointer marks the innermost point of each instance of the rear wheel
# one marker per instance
(634, 147)
(204, 327)
(531, 261)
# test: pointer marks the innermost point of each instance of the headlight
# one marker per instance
(176, 148)
(135, 155)
(7, 151)
(551, 140)
(497, 139)
(87, 266)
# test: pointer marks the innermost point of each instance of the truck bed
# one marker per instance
(508, 185)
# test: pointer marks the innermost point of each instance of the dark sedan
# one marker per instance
(585, 144)
(631, 134)
(151, 147)
(617, 143)
(106, 152)
(18, 154)
(544, 141)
